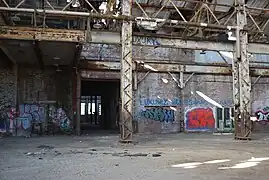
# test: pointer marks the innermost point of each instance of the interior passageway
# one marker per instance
(99, 106)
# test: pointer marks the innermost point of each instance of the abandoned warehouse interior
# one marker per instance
(134, 66)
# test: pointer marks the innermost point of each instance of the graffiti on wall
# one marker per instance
(262, 116)
(178, 102)
(22, 123)
(32, 113)
(200, 119)
(60, 118)
(146, 40)
(101, 52)
(266, 109)
(7, 119)
(159, 114)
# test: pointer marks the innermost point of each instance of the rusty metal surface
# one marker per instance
(86, 74)
(45, 34)
(100, 65)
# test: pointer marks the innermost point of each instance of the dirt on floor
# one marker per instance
(150, 157)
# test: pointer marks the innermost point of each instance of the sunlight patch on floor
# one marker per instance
(187, 165)
(217, 161)
(247, 164)
(243, 164)
(196, 164)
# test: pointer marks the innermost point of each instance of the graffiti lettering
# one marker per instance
(146, 41)
(60, 118)
(32, 112)
(29, 114)
(159, 114)
(262, 116)
(200, 119)
(265, 109)
(177, 102)
(101, 52)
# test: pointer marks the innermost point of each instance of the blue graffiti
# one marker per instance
(146, 41)
(34, 112)
(178, 102)
(159, 114)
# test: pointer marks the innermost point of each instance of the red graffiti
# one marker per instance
(200, 119)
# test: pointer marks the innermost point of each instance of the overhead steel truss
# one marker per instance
(247, 23)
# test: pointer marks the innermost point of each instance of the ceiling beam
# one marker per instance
(102, 37)
(41, 34)
(166, 67)
(162, 41)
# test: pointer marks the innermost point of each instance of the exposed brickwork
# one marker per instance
(36, 85)
(7, 88)
(37, 88)
(48, 85)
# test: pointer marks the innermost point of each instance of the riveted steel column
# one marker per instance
(126, 76)
(243, 107)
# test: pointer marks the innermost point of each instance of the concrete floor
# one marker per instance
(101, 157)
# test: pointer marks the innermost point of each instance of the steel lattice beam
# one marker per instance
(126, 76)
(243, 85)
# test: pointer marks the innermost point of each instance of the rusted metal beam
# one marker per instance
(102, 37)
(41, 34)
(173, 68)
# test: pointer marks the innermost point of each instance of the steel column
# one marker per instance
(126, 76)
(78, 111)
(243, 83)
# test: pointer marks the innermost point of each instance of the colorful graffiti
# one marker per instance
(7, 119)
(262, 116)
(30, 114)
(60, 118)
(22, 123)
(159, 114)
(178, 102)
(200, 119)
(265, 109)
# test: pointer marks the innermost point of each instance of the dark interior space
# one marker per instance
(99, 106)
(5, 62)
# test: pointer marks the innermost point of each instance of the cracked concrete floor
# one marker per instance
(101, 157)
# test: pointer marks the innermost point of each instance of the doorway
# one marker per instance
(99, 106)
(225, 120)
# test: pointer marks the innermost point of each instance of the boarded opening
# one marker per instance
(99, 105)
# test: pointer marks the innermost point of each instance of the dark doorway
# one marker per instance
(99, 106)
